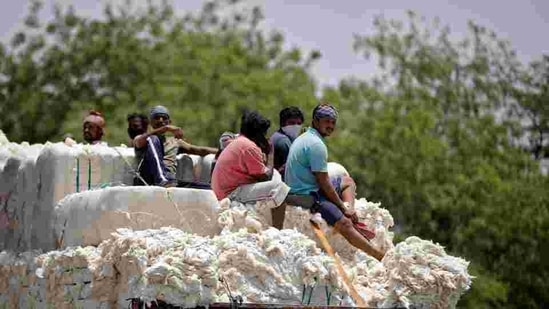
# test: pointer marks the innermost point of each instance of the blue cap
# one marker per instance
(159, 109)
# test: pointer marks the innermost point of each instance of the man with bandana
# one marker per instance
(156, 153)
(93, 128)
(291, 118)
(307, 174)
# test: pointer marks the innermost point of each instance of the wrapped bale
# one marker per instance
(194, 168)
(65, 170)
(19, 197)
(87, 218)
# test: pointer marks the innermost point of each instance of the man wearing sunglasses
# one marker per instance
(156, 153)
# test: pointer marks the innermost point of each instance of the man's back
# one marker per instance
(281, 147)
(235, 166)
(308, 154)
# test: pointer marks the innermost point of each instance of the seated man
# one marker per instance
(241, 173)
(93, 128)
(307, 174)
(137, 124)
(290, 119)
(157, 153)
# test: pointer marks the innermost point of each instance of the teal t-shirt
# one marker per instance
(308, 154)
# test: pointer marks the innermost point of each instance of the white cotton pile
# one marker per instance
(256, 217)
(270, 266)
(17, 279)
(3, 138)
(179, 268)
(274, 266)
(416, 273)
(183, 270)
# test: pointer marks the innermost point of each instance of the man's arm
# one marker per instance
(281, 151)
(202, 151)
(328, 190)
(255, 164)
(330, 193)
(141, 140)
(266, 176)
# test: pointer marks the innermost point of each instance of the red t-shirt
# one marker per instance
(235, 166)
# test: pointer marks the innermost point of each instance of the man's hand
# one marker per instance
(351, 214)
(176, 131)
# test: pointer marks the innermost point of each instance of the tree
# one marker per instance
(435, 138)
(205, 68)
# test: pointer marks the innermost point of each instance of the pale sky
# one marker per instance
(329, 25)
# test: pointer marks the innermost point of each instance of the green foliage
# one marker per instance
(205, 68)
(435, 138)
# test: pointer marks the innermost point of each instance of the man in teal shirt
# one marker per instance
(307, 174)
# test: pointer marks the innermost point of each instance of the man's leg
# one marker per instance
(153, 167)
(334, 217)
(278, 214)
(274, 190)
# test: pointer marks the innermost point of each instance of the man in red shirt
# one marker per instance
(241, 173)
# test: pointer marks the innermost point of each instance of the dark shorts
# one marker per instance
(328, 210)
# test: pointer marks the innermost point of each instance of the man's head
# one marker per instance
(159, 116)
(324, 119)
(291, 116)
(291, 119)
(137, 124)
(254, 126)
(93, 127)
(225, 139)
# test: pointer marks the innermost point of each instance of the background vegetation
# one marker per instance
(447, 136)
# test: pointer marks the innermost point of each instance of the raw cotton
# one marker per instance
(256, 217)
(179, 268)
(416, 273)
(184, 270)
(270, 266)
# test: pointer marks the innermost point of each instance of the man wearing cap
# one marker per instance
(307, 174)
(157, 153)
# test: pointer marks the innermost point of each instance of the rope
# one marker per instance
(89, 174)
(77, 174)
(354, 294)
(136, 173)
